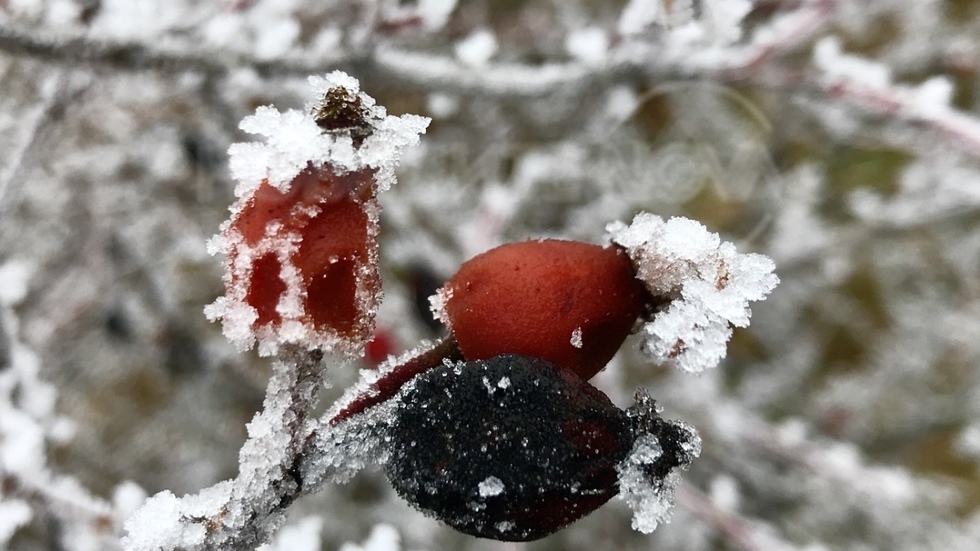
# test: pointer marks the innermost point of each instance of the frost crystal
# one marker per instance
(708, 283)
(383, 537)
(302, 536)
(576, 339)
(13, 514)
(651, 502)
(492, 486)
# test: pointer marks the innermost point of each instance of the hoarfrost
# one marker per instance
(708, 283)
(490, 487)
(13, 514)
(638, 15)
(383, 537)
(293, 139)
(651, 500)
(589, 45)
(477, 49)
(302, 536)
(343, 142)
(576, 339)
(504, 526)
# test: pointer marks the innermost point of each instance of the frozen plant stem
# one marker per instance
(268, 481)
(244, 512)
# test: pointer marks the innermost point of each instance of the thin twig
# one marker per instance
(48, 114)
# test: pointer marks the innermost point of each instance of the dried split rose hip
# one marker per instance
(301, 264)
(312, 245)
(511, 448)
(307, 257)
(567, 302)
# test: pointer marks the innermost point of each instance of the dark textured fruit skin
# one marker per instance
(530, 297)
(551, 438)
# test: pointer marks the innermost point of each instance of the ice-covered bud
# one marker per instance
(301, 244)
(708, 283)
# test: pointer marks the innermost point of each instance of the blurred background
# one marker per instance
(842, 139)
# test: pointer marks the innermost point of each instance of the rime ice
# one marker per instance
(301, 250)
(649, 474)
(492, 486)
(709, 285)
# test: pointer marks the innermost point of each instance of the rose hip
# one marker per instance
(567, 302)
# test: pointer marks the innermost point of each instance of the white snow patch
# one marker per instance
(14, 513)
(504, 526)
(709, 285)
(490, 487)
(477, 49)
(383, 537)
(302, 536)
(589, 45)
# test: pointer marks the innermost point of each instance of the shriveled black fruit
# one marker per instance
(511, 448)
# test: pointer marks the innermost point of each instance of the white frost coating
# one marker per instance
(477, 49)
(157, 525)
(383, 537)
(302, 536)
(490, 487)
(504, 382)
(638, 15)
(589, 45)
(838, 66)
(576, 339)
(504, 526)
(293, 139)
(650, 501)
(438, 302)
(13, 514)
(709, 285)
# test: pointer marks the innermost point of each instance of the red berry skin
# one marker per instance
(531, 297)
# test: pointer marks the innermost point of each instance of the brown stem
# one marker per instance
(390, 383)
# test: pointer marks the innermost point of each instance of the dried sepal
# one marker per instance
(708, 284)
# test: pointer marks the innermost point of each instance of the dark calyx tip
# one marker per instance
(679, 442)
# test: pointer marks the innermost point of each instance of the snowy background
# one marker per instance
(840, 138)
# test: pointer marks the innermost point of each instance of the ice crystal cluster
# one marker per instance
(840, 139)
(710, 282)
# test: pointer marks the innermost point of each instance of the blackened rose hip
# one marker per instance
(511, 448)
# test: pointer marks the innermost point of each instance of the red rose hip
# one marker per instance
(567, 302)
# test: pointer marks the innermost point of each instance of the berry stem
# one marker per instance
(391, 382)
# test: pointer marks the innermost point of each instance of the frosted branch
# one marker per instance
(244, 512)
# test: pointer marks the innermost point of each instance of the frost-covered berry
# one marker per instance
(301, 248)
(567, 302)
(511, 448)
